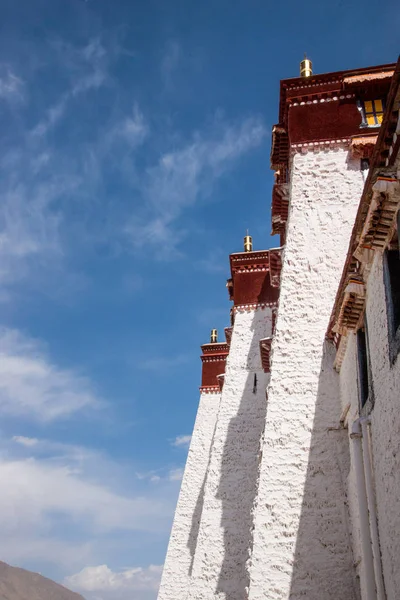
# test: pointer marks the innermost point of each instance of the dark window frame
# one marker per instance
(364, 371)
(364, 164)
(392, 301)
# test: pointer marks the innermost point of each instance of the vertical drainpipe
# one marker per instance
(373, 520)
(366, 547)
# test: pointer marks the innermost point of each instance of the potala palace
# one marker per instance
(292, 483)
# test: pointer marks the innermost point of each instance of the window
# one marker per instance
(372, 112)
(392, 285)
(364, 164)
(364, 371)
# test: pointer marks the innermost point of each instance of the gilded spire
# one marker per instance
(305, 67)
(248, 242)
(214, 336)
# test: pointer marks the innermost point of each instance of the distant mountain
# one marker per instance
(19, 584)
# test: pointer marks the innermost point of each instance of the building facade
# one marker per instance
(292, 484)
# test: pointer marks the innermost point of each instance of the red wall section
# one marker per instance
(254, 287)
(210, 371)
(324, 121)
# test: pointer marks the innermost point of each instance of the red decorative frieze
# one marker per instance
(213, 364)
(229, 287)
(280, 207)
(362, 146)
(275, 266)
(251, 280)
(325, 108)
(265, 351)
(323, 112)
(280, 147)
(375, 223)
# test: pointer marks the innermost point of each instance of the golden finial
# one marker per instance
(305, 67)
(214, 336)
(248, 242)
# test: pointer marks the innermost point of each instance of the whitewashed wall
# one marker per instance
(385, 429)
(220, 569)
(349, 395)
(301, 544)
(182, 544)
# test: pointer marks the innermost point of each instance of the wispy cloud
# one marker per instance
(181, 441)
(176, 474)
(87, 70)
(33, 386)
(101, 581)
(81, 489)
(186, 175)
(215, 262)
(133, 129)
(11, 86)
(162, 475)
(25, 441)
(37, 489)
(162, 363)
(30, 219)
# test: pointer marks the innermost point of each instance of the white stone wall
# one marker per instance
(220, 569)
(385, 428)
(182, 544)
(301, 546)
(349, 395)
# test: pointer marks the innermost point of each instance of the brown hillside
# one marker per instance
(19, 584)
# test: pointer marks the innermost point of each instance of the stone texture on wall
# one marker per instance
(220, 569)
(349, 395)
(183, 539)
(301, 546)
(385, 428)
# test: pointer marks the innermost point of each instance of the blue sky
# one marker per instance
(134, 155)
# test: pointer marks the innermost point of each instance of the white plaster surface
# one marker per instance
(385, 430)
(349, 395)
(182, 544)
(301, 545)
(224, 542)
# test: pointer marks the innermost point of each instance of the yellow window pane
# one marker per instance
(368, 106)
(378, 106)
(379, 118)
(371, 120)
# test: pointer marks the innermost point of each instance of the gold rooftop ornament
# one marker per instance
(306, 67)
(214, 336)
(248, 242)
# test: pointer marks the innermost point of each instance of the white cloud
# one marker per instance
(103, 583)
(29, 221)
(25, 441)
(29, 546)
(87, 68)
(176, 474)
(134, 128)
(33, 386)
(11, 86)
(184, 176)
(182, 440)
(37, 489)
(59, 488)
